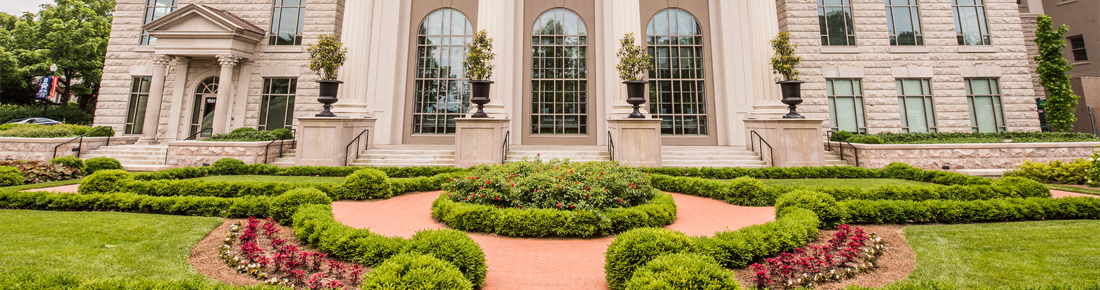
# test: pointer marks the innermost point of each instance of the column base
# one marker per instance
(351, 110)
(621, 110)
(324, 141)
(768, 110)
(637, 141)
(794, 142)
(494, 110)
(479, 141)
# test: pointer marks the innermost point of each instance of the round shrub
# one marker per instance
(683, 271)
(841, 135)
(866, 140)
(9, 176)
(228, 166)
(283, 134)
(284, 205)
(824, 205)
(415, 272)
(69, 161)
(748, 191)
(556, 184)
(103, 181)
(1024, 187)
(636, 247)
(455, 247)
(367, 183)
(101, 163)
(900, 170)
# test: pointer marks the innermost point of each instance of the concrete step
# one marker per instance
(126, 157)
(113, 152)
(403, 162)
(373, 156)
(710, 158)
(143, 168)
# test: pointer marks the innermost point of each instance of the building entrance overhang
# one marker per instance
(198, 30)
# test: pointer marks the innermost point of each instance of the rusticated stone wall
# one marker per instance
(42, 149)
(965, 156)
(196, 153)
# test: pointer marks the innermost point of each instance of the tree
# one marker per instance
(75, 35)
(1053, 74)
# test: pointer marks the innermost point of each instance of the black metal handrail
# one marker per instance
(293, 143)
(504, 147)
(752, 146)
(358, 146)
(80, 145)
(840, 144)
(196, 135)
(611, 145)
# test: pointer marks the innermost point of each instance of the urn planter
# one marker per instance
(792, 96)
(479, 94)
(329, 88)
(635, 96)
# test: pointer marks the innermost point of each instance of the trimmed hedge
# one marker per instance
(634, 248)
(286, 204)
(949, 211)
(767, 172)
(900, 170)
(823, 205)
(228, 166)
(1007, 187)
(100, 163)
(1057, 171)
(683, 271)
(552, 222)
(393, 172)
(69, 161)
(10, 176)
(126, 202)
(368, 183)
(735, 249)
(744, 191)
(415, 272)
(455, 247)
(104, 181)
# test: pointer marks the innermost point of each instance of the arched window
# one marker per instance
(559, 74)
(442, 92)
(202, 115)
(676, 86)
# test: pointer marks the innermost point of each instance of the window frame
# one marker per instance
(275, 30)
(673, 121)
(422, 78)
(891, 22)
(996, 101)
(135, 117)
(849, 23)
(858, 104)
(150, 7)
(983, 22)
(265, 103)
(551, 76)
(927, 101)
(1073, 49)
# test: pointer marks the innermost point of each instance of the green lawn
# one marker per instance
(271, 178)
(1018, 254)
(100, 244)
(42, 185)
(1074, 189)
(838, 182)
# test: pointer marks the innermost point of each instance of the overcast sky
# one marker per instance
(17, 7)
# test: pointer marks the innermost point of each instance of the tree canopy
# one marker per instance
(1053, 74)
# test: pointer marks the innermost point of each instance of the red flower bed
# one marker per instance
(850, 251)
(276, 262)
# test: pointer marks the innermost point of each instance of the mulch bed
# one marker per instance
(894, 264)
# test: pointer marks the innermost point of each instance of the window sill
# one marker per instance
(283, 49)
(144, 49)
(977, 49)
(1081, 63)
(908, 49)
(839, 49)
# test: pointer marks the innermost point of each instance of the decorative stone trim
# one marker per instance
(965, 156)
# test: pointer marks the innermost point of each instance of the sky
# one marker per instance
(17, 7)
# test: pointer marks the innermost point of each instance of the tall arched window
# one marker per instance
(442, 92)
(559, 74)
(676, 86)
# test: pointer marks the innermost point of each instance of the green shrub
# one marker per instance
(1023, 187)
(242, 130)
(415, 272)
(260, 169)
(749, 192)
(900, 170)
(193, 187)
(967, 137)
(950, 211)
(634, 248)
(315, 226)
(246, 134)
(284, 205)
(454, 247)
(683, 271)
(104, 181)
(69, 161)
(126, 202)
(367, 183)
(173, 173)
(228, 166)
(767, 172)
(283, 134)
(1056, 171)
(38, 131)
(9, 176)
(556, 184)
(101, 163)
(865, 140)
(736, 249)
(828, 211)
(840, 136)
(37, 172)
(394, 172)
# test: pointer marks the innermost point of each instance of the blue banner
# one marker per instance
(44, 88)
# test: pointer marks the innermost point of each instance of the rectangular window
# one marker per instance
(903, 20)
(915, 101)
(835, 19)
(155, 9)
(1077, 45)
(984, 98)
(277, 103)
(287, 20)
(135, 111)
(971, 27)
(846, 105)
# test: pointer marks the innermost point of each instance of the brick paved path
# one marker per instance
(1061, 194)
(519, 263)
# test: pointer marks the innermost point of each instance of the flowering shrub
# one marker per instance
(37, 172)
(288, 266)
(557, 184)
(850, 251)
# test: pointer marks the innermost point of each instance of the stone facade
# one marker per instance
(197, 153)
(42, 149)
(964, 156)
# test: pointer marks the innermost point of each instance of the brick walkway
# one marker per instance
(518, 263)
(58, 189)
(1061, 194)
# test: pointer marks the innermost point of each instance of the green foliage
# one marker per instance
(479, 57)
(394, 172)
(415, 272)
(683, 271)
(866, 140)
(246, 134)
(557, 184)
(242, 130)
(10, 176)
(840, 136)
(1053, 74)
(283, 134)
(766, 172)
(38, 172)
(127, 202)
(101, 163)
(736, 249)
(1000, 137)
(173, 173)
(634, 248)
(784, 62)
(828, 211)
(69, 161)
(743, 190)
(228, 166)
(951, 211)
(104, 181)
(327, 56)
(1056, 171)
(284, 205)
(51, 131)
(315, 226)
(454, 247)
(905, 171)
(367, 183)
(634, 60)
(64, 114)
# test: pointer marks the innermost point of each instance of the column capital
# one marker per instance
(229, 60)
(161, 60)
(179, 60)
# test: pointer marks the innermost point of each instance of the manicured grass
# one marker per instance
(100, 244)
(1023, 254)
(1063, 187)
(271, 178)
(837, 182)
(42, 185)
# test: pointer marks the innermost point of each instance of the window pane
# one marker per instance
(442, 91)
(676, 85)
(915, 111)
(559, 61)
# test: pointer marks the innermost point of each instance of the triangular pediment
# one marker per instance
(200, 19)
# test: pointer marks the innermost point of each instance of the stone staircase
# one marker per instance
(133, 157)
(710, 156)
(406, 156)
(287, 160)
(546, 153)
(832, 158)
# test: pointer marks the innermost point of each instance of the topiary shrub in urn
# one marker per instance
(783, 64)
(634, 65)
(326, 57)
(479, 54)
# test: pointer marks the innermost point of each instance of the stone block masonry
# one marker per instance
(197, 153)
(965, 156)
(42, 149)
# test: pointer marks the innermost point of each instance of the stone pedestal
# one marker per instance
(324, 141)
(479, 141)
(796, 142)
(637, 141)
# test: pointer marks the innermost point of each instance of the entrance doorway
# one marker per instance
(206, 98)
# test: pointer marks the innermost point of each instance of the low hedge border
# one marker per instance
(1003, 188)
(241, 207)
(893, 170)
(267, 169)
(513, 222)
(951, 211)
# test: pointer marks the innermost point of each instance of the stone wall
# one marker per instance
(965, 156)
(42, 149)
(197, 153)
(1030, 22)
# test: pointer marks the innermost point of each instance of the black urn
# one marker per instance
(792, 96)
(329, 88)
(635, 96)
(479, 94)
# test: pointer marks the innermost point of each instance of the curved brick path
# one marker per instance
(519, 263)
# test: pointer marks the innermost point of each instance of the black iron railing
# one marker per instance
(358, 145)
(293, 144)
(840, 145)
(80, 144)
(752, 146)
(610, 145)
(504, 147)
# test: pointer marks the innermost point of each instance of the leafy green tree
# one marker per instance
(1053, 74)
(75, 34)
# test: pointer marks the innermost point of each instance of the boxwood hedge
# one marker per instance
(682, 271)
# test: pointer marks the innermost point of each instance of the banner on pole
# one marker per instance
(53, 90)
(44, 87)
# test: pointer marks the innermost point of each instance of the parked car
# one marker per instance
(36, 121)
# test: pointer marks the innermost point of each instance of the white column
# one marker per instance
(388, 58)
(764, 22)
(734, 94)
(500, 22)
(175, 114)
(156, 95)
(358, 15)
(237, 112)
(225, 89)
(619, 18)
